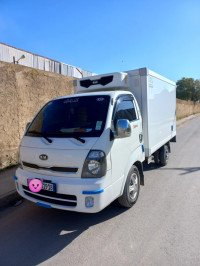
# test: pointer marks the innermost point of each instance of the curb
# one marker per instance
(182, 121)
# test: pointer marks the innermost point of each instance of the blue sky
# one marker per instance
(108, 36)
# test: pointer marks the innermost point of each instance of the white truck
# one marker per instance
(88, 149)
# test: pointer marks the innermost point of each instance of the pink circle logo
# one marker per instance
(35, 185)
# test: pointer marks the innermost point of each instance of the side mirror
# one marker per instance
(123, 128)
(27, 125)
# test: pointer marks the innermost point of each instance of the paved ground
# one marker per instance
(8, 193)
(163, 228)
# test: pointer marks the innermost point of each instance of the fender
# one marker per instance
(136, 159)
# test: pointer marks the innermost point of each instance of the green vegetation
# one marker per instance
(188, 89)
(181, 117)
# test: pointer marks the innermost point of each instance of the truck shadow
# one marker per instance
(151, 166)
(38, 234)
(186, 170)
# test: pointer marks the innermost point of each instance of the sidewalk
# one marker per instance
(8, 193)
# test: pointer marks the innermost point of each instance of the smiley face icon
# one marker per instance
(35, 185)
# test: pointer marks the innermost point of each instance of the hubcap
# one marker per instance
(133, 186)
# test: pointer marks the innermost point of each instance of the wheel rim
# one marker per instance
(133, 186)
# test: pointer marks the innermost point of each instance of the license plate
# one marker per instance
(49, 186)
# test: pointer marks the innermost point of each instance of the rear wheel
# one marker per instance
(157, 157)
(164, 155)
(131, 188)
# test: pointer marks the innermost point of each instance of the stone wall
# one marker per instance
(23, 91)
(186, 108)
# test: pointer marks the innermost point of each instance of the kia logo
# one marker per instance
(43, 157)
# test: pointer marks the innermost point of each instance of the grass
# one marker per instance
(181, 117)
(184, 116)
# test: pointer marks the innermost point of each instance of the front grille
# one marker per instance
(54, 168)
(52, 197)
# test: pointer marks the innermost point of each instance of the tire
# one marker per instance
(164, 155)
(157, 157)
(131, 188)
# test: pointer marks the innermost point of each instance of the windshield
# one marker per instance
(83, 116)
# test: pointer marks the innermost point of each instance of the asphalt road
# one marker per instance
(163, 228)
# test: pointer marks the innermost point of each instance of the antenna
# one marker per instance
(80, 72)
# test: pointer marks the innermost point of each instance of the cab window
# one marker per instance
(125, 110)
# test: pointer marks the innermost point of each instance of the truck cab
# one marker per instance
(85, 149)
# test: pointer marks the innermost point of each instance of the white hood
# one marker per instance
(61, 153)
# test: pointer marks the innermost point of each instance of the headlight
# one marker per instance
(95, 165)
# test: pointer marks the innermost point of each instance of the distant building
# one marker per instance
(17, 56)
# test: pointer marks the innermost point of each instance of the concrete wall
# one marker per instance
(10, 54)
(23, 91)
(186, 108)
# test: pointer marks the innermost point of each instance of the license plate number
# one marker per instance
(49, 186)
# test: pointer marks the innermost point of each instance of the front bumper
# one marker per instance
(70, 193)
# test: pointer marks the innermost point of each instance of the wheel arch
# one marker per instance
(136, 159)
(139, 166)
(131, 188)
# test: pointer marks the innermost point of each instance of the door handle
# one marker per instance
(140, 137)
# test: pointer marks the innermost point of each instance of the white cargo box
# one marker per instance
(156, 97)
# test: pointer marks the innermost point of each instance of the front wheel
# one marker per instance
(131, 188)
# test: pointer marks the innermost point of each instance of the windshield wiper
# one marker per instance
(55, 133)
(79, 139)
(67, 136)
(40, 134)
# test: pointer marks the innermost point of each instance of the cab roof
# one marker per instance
(112, 94)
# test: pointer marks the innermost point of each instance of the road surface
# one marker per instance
(163, 228)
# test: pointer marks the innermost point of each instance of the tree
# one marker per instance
(197, 90)
(188, 89)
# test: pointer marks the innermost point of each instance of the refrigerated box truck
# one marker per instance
(83, 151)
